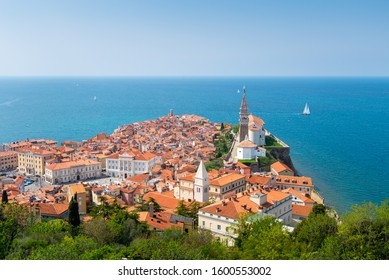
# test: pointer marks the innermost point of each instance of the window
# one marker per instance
(219, 227)
(203, 223)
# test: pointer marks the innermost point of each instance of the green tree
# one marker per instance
(315, 229)
(74, 215)
(14, 221)
(364, 232)
(235, 128)
(145, 206)
(318, 209)
(100, 230)
(4, 197)
(194, 208)
(182, 209)
(68, 249)
(173, 244)
(39, 235)
(190, 211)
(113, 224)
(266, 239)
(222, 126)
(105, 209)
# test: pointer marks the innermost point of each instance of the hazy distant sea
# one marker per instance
(342, 145)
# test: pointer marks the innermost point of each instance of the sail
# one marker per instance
(306, 110)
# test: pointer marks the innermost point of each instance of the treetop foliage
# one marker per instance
(115, 233)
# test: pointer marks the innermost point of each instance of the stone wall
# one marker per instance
(282, 154)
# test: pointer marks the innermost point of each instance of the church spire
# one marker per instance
(201, 184)
(244, 117)
(243, 107)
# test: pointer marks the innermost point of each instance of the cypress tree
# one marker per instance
(4, 198)
(74, 215)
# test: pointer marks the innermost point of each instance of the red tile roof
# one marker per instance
(234, 207)
(279, 167)
(300, 210)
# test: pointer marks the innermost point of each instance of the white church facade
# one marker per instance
(248, 150)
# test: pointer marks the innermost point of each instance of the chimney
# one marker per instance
(259, 198)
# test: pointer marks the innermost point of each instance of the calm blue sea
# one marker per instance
(342, 145)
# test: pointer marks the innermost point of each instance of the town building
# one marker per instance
(278, 168)
(71, 144)
(83, 196)
(300, 212)
(32, 161)
(51, 210)
(160, 221)
(256, 131)
(72, 171)
(247, 150)
(301, 184)
(204, 187)
(299, 198)
(221, 217)
(130, 163)
(264, 181)
(166, 200)
(8, 160)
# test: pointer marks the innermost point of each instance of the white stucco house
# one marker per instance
(249, 150)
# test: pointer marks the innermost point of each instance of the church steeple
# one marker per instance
(243, 107)
(244, 117)
(201, 185)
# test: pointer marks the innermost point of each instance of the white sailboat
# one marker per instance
(94, 98)
(306, 110)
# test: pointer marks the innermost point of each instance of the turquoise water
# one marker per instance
(341, 145)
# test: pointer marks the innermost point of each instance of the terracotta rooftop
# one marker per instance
(279, 167)
(8, 153)
(233, 207)
(139, 178)
(166, 199)
(53, 209)
(69, 164)
(301, 210)
(256, 179)
(299, 195)
(226, 179)
(246, 144)
(294, 180)
(77, 188)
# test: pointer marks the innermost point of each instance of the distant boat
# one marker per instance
(306, 110)
(94, 98)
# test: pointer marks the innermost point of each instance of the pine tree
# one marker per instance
(4, 198)
(74, 215)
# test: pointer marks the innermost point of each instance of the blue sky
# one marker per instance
(194, 38)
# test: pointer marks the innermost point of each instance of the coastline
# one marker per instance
(287, 159)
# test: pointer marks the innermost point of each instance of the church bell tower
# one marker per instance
(201, 184)
(243, 118)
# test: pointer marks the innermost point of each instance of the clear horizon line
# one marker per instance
(194, 76)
